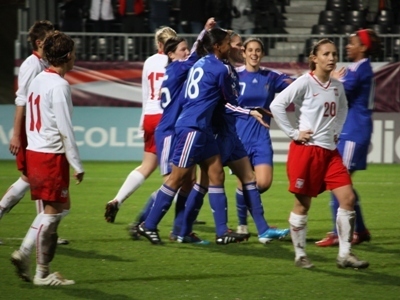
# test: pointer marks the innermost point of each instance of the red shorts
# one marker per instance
(21, 155)
(150, 123)
(312, 170)
(48, 175)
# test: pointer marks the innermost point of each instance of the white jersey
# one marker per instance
(320, 107)
(48, 117)
(152, 78)
(31, 66)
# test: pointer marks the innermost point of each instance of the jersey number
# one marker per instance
(192, 87)
(166, 99)
(152, 78)
(35, 102)
(330, 109)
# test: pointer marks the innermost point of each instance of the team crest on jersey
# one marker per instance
(299, 183)
(64, 193)
(255, 80)
(336, 92)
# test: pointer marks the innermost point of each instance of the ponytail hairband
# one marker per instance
(364, 38)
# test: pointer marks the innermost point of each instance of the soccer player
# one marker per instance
(28, 70)
(152, 77)
(50, 152)
(258, 86)
(208, 80)
(314, 163)
(180, 60)
(356, 134)
(234, 155)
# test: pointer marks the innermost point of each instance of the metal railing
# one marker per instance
(137, 47)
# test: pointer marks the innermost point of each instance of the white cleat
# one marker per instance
(22, 265)
(52, 279)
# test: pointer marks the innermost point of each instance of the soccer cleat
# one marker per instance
(303, 262)
(242, 229)
(359, 237)
(330, 240)
(231, 237)
(52, 279)
(273, 233)
(133, 231)
(351, 261)
(22, 264)
(151, 235)
(198, 222)
(172, 237)
(192, 239)
(111, 211)
(61, 241)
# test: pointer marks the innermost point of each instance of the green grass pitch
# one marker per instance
(107, 264)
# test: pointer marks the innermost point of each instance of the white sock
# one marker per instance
(298, 232)
(64, 213)
(13, 195)
(345, 221)
(39, 206)
(30, 238)
(134, 180)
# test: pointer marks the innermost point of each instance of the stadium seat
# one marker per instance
(357, 5)
(322, 29)
(336, 5)
(385, 18)
(330, 17)
(347, 29)
(378, 28)
(356, 18)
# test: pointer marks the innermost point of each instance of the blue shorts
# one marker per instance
(192, 147)
(354, 155)
(260, 152)
(230, 148)
(164, 147)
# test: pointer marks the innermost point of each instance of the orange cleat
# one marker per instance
(330, 240)
(359, 237)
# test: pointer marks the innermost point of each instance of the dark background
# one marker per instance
(8, 34)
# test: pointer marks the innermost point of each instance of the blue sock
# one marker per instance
(241, 207)
(334, 207)
(359, 226)
(146, 209)
(193, 204)
(252, 196)
(165, 196)
(179, 211)
(219, 207)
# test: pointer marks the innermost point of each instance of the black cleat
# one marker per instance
(231, 237)
(151, 235)
(134, 231)
(111, 211)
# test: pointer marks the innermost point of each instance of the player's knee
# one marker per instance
(263, 186)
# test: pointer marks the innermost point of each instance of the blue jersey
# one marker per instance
(225, 114)
(359, 86)
(208, 83)
(174, 78)
(258, 90)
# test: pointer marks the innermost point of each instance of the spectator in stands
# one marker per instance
(72, 14)
(101, 14)
(132, 16)
(243, 20)
(159, 13)
(192, 16)
(221, 11)
(359, 85)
